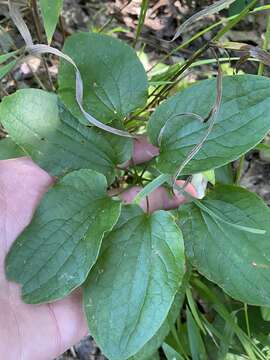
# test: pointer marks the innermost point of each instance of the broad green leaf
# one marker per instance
(170, 353)
(38, 123)
(9, 150)
(154, 356)
(265, 311)
(156, 341)
(225, 247)
(55, 253)
(121, 147)
(238, 6)
(114, 80)
(242, 122)
(130, 290)
(224, 175)
(258, 325)
(5, 69)
(50, 10)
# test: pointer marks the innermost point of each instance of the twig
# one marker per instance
(265, 46)
(35, 15)
(41, 85)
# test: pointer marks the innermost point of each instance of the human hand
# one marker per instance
(42, 332)
(27, 332)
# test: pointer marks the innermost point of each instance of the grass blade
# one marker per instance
(195, 340)
(7, 56)
(144, 7)
(5, 69)
(209, 10)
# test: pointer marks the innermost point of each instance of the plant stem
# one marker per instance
(204, 31)
(62, 27)
(265, 45)
(166, 89)
(235, 20)
(247, 319)
(36, 19)
(3, 90)
(38, 80)
(240, 169)
(144, 7)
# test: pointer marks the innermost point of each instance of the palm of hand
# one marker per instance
(30, 332)
(45, 331)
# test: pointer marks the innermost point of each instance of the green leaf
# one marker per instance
(242, 122)
(130, 290)
(226, 340)
(156, 341)
(115, 81)
(5, 69)
(238, 6)
(225, 247)
(38, 123)
(9, 150)
(224, 175)
(258, 325)
(5, 57)
(55, 253)
(170, 353)
(265, 311)
(154, 356)
(6, 41)
(50, 11)
(121, 147)
(196, 344)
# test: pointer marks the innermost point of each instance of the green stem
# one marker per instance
(166, 89)
(235, 20)
(240, 170)
(204, 31)
(249, 346)
(177, 340)
(247, 319)
(144, 7)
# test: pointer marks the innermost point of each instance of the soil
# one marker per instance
(86, 349)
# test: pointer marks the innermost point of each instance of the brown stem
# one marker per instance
(62, 27)
(35, 15)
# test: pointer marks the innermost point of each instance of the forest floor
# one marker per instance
(120, 17)
(162, 20)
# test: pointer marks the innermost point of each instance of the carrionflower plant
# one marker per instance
(133, 265)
